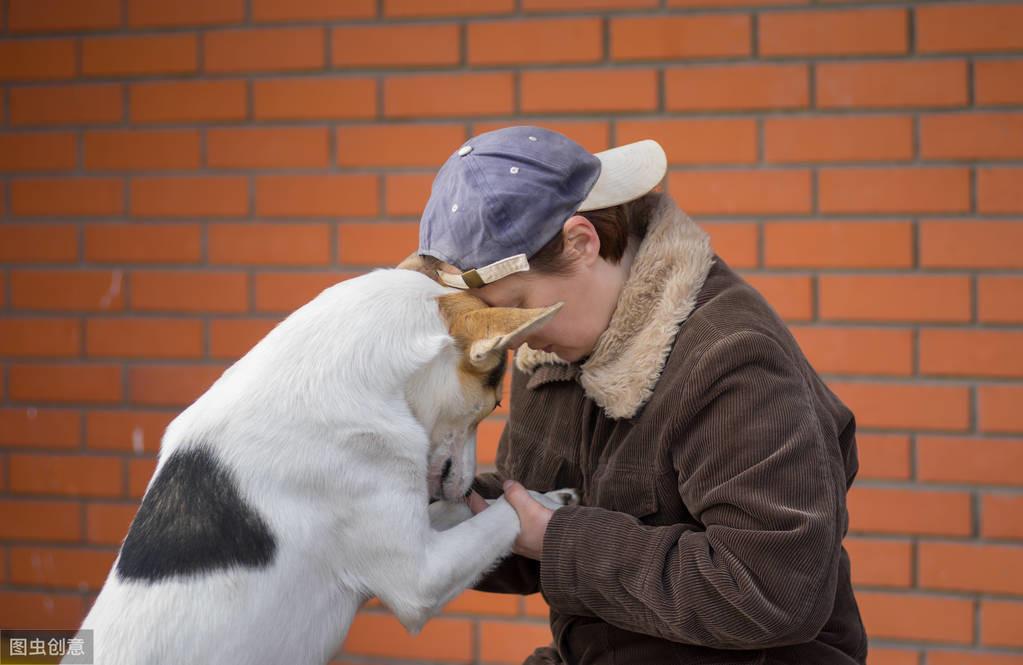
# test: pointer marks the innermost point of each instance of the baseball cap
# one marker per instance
(504, 194)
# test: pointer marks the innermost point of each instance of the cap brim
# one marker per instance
(626, 173)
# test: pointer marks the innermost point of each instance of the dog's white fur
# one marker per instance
(327, 426)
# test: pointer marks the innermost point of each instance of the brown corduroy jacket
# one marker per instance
(713, 465)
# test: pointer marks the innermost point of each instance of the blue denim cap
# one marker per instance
(503, 195)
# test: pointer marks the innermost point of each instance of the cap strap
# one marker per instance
(477, 277)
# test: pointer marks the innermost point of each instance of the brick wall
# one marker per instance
(177, 176)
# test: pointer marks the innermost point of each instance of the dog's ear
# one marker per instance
(502, 328)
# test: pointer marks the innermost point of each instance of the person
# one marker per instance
(711, 460)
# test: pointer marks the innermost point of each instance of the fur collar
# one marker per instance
(669, 269)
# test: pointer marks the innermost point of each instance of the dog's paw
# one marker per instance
(565, 496)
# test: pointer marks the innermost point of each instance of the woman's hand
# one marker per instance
(533, 518)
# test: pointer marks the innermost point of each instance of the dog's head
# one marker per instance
(469, 384)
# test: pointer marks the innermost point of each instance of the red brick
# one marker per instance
(838, 139)
(917, 617)
(63, 15)
(267, 147)
(891, 84)
(187, 291)
(742, 192)
(488, 434)
(269, 244)
(107, 523)
(946, 657)
(909, 511)
(37, 152)
(398, 145)
(970, 567)
(376, 243)
(80, 104)
(1000, 622)
(845, 244)
(506, 642)
(890, 656)
(681, 37)
(478, 602)
(188, 101)
(143, 243)
(996, 82)
(29, 610)
(37, 59)
(312, 10)
(790, 295)
(170, 385)
(834, 32)
(411, 45)
(883, 456)
(992, 244)
(67, 197)
(1001, 516)
(1000, 190)
(592, 135)
(140, 472)
(65, 383)
(40, 428)
(144, 338)
(697, 142)
(74, 290)
(558, 5)
(157, 13)
(877, 562)
(407, 193)
(72, 475)
(911, 298)
(286, 291)
(314, 98)
(736, 87)
(219, 196)
(971, 136)
(580, 91)
(29, 243)
(969, 27)
(36, 519)
(974, 461)
(60, 568)
(869, 190)
(382, 635)
(123, 150)
(436, 95)
(577, 40)
(882, 351)
(955, 352)
(232, 338)
(134, 431)
(906, 406)
(133, 56)
(264, 49)
(998, 408)
(317, 196)
(736, 242)
(407, 8)
(40, 337)
(1000, 299)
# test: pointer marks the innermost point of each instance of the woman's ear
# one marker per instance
(580, 240)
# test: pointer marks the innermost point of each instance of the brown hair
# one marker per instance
(615, 226)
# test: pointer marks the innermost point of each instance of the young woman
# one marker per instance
(711, 460)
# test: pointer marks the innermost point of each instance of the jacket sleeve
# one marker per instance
(755, 471)
(514, 574)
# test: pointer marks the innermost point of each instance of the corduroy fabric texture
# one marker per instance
(712, 520)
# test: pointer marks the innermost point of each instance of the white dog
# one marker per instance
(298, 485)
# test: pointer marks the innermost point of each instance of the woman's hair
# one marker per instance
(614, 226)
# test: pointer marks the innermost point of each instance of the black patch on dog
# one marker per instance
(496, 374)
(193, 521)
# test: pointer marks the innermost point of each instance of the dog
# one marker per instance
(300, 484)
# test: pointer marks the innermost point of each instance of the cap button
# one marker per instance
(464, 150)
